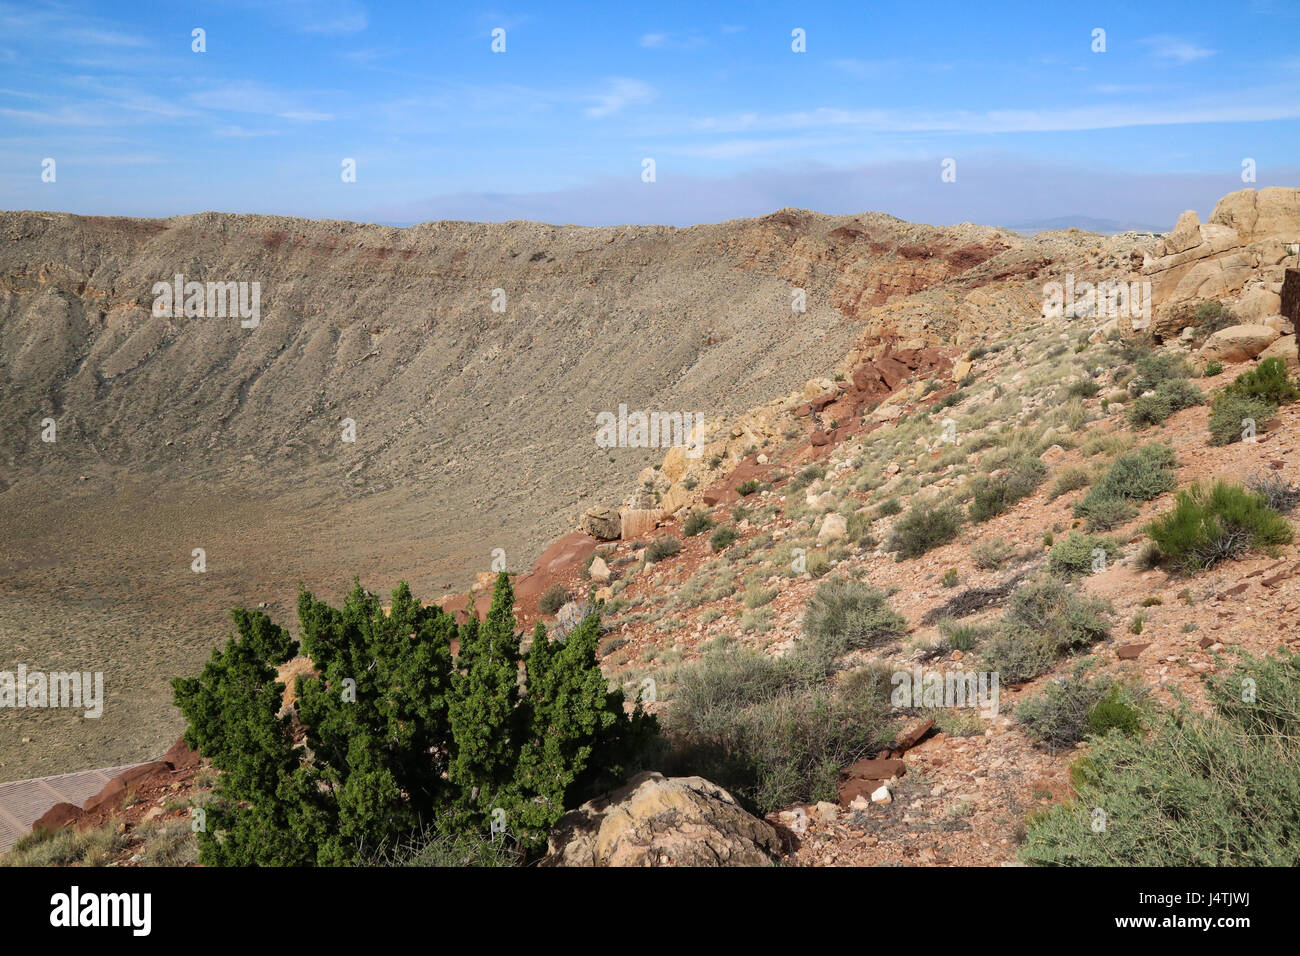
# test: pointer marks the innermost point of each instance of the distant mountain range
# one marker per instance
(1106, 227)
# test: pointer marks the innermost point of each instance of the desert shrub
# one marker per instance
(1281, 495)
(844, 614)
(417, 739)
(1110, 513)
(1073, 554)
(1045, 619)
(869, 686)
(167, 843)
(1231, 415)
(1018, 656)
(1201, 790)
(756, 595)
(1212, 368)
(949, 578)
(434, 846)
(1085, 388)
(1156, 369)
(723, 538)
(1108, 443)
(95, 846)
(888, 507)
(858, 529)
(818, 562)
(1139, 475)
(663, 547)
(771, 731)
(1048, 606)
(1267, 381)
(1169, 397)
(1116, 711)
(1057, 718)
(1069, 479)
(746, 488)
(552, 599)
(992, 495)
(991, 554)
(1223, 522)
(806, 477)
(696, 523)
(961, 637)
(924, 528)
(1210, 317)
(1079, 705)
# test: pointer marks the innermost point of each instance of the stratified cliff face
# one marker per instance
(490, 413)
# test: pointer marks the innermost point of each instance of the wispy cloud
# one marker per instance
(869, 69)
(676, 41)
(1239, 107)
(1172, 49)
(325, 17)
(620, 94)
(248, 97)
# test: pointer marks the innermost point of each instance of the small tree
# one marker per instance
(398, 737)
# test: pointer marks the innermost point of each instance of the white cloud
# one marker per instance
(653, 40)
(254, 98)
(621, 93)
(1175, 49)
(1236, 107)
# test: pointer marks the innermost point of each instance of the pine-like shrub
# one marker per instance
(398, 737)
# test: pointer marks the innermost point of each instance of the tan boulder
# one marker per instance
(960, 370)
(1216, 278)
(599, 570)
(1257, 305)
(1283, 325)
(1186, 234)
(662, 821)
(603, 523)
(1269, 213)
(674, 465)
(834, 526)
(1238, 343)
(1285, 349)
(637, 522)
(675, 500)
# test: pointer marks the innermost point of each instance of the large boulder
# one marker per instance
(834, 526)
(1248, 240)
(599, 570)
(1258, 304)
(1238, 343)
(602, 523)
(1269, 213)
(1285, 349)
(676, 498)
(655, 820)
(638, 522)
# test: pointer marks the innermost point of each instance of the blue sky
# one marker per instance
(556, 127)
